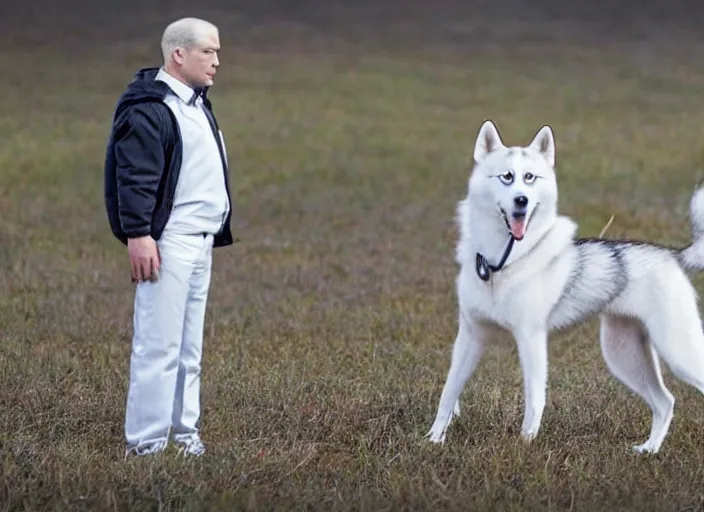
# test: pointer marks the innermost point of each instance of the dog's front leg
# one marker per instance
(466, 353)
(533, 354)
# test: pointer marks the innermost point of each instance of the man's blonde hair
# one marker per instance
(184, 33)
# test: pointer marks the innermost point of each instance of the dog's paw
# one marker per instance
(529, 435)
(440, 440)
(646, 448)
(435, 436)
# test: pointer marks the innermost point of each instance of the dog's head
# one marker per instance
(514, 182)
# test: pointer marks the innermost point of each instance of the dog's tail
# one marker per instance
(692, 256)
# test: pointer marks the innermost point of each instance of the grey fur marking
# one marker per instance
(599, 275)
(677, 252)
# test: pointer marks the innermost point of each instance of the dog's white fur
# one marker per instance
(642, 292)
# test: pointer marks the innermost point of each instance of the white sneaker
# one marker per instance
(145, 449)
(191, 445)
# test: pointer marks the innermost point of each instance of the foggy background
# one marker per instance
(86, 25)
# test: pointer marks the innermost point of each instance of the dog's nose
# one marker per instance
(520, 201)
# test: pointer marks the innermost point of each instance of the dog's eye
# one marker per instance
(529, 178)
(506, 178)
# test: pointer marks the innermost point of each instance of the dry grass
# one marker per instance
(331, 322)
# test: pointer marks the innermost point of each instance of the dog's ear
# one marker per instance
(544, 143)
(488, 140)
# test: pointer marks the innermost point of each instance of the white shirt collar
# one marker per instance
(179, 88)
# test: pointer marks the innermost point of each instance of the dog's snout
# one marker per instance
(520, 201)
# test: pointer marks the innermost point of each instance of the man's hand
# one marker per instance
(144, 259)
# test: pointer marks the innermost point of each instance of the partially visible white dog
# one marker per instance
(523, 271)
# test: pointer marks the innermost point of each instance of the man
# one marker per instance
(167, 198)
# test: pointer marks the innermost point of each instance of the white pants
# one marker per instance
(165, 365)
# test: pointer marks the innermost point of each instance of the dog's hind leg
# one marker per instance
(466, 353)
(632, 360)
(678, 337)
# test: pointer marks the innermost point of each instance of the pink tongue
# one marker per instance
(518, 228)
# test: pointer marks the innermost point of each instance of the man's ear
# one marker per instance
(178, 55)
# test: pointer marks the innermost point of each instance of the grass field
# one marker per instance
(330, 323)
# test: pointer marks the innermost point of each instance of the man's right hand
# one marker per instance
(144, 259)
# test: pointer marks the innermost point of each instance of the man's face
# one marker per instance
(199, 63)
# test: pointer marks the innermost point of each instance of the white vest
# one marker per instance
(201, 203)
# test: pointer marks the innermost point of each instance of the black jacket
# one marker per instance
(143, 161)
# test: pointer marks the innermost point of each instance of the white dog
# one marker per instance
(523, 271)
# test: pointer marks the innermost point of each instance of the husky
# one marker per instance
(524, 271)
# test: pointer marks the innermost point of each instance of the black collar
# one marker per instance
(484, 269)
